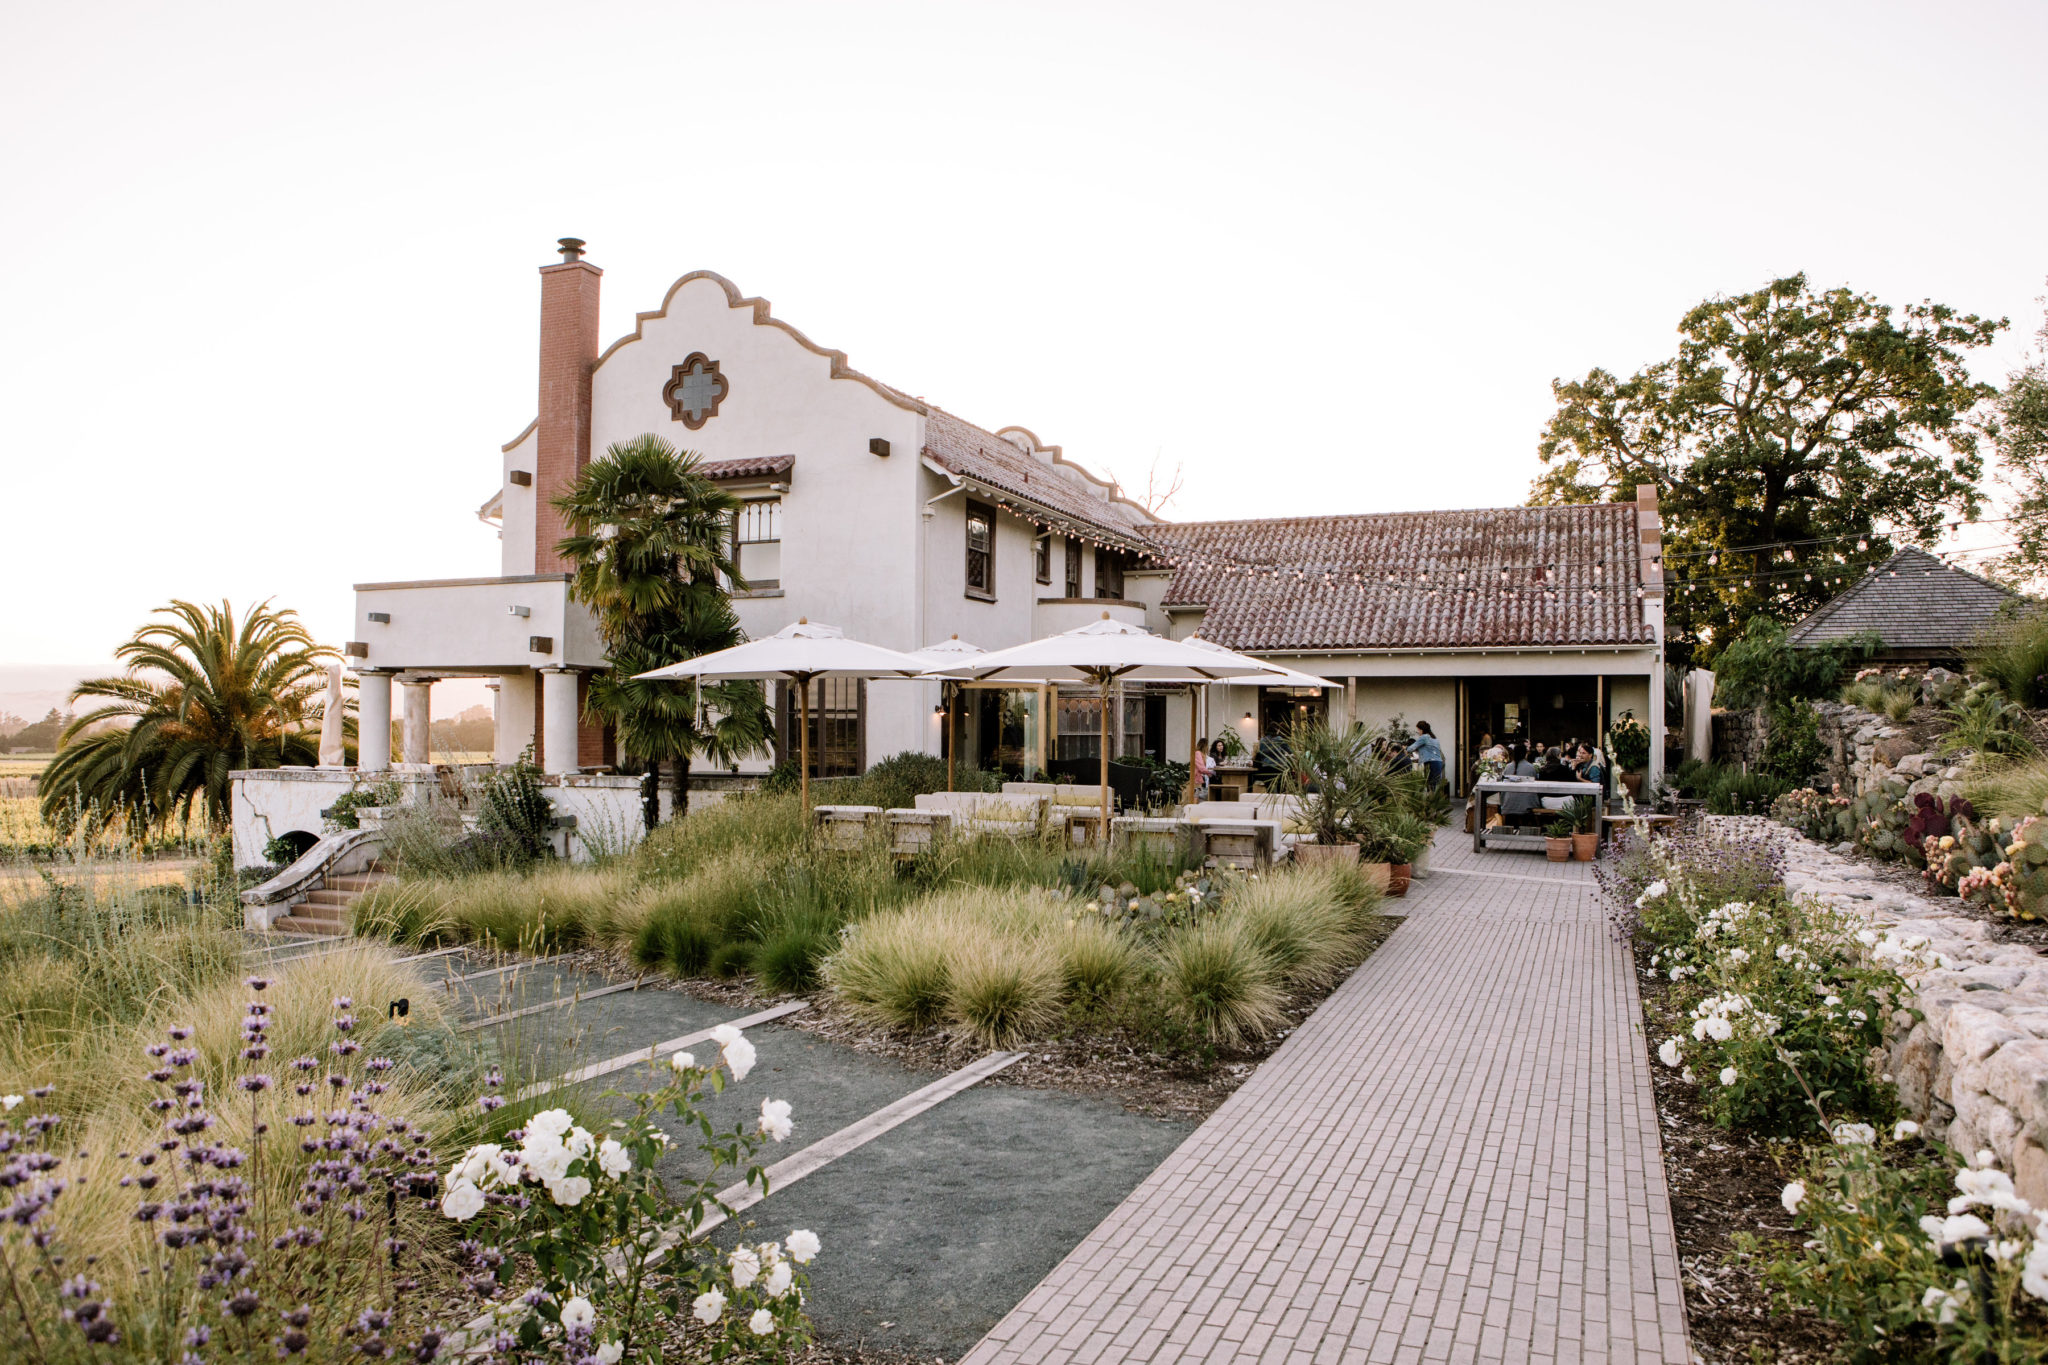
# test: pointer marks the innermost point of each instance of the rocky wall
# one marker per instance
(1974, 1068)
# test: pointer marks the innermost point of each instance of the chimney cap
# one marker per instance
(571, 249)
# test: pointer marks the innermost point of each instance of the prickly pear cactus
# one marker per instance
(1880, 817)
(2016, 887)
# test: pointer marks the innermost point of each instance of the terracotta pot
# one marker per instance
(1585, 847)
(1398, 875)
(1558, 850)
(1315, 855)
(1379, 874)
(1632, 783)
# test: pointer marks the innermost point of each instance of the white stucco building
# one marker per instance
(903, 524)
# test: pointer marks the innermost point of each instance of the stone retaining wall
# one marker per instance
(1974, 1069)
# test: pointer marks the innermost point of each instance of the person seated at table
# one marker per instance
(1515, 808)
(1555, 769)
(1590, 767)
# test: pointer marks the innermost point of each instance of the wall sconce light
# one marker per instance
(939, 710)
(878, 446)
(521, 612)
(1247, 718)
(522, 477)
(382, 618)
(540, 644)
(356, 649)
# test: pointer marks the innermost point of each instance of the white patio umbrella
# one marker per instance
(1101, 653)
(798, 653)
(1276, 677)
(938, 657)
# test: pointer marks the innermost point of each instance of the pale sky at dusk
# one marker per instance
(270, 305)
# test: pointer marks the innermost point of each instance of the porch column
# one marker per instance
(1656, 719)
(512, 730)
(373, 720)
(558, 720)
(417, 717)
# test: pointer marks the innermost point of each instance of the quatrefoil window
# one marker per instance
(694, 390)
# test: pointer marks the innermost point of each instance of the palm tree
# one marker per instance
(652, 546)
(204, 694)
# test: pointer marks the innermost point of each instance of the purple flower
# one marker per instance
(256, 983)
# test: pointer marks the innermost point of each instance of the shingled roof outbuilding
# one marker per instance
(1917, 605)
(1506, 577)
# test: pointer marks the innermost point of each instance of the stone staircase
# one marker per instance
(326, 910)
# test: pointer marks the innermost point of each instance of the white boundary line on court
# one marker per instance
(857, 1134)
(547, 1005)
(654, 1053)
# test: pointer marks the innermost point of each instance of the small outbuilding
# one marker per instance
(1923, 610)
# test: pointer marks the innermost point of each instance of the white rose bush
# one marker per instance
(1785, 1005)
(579, 1252)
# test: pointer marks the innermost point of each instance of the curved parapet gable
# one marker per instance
(1112, 491)
(763, 317)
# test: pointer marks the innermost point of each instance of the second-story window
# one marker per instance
(1109, 572)
(1041, 556)
(981, 550)
(1073, 567)
(757, 542)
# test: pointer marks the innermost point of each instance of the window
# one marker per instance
(1109, 573)
(1041, 556)
(981, 550)
(1073, 567)
(757, 542)
(837, 710)
(1080, 722)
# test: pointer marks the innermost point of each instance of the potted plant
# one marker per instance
(1585, 814)
(1628, 743)
(1557, 840)
(1392, 839)
(1321, 770)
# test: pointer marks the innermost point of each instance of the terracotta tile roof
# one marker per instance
(1258, 611)
(1913, 602)
(974, 453)
(759, 467)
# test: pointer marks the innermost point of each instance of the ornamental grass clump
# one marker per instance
(1005, 988)
(1217, 981)
(894, 969)
(1915, 1259)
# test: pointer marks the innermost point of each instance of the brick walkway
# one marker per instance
(1455, 1159)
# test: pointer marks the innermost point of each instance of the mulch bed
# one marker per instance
(1723, 1183)
(1116, 1064)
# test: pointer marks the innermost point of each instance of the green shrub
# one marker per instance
(1004, 988)
(342, 814)
(1738, 793)
(1792, 746)
(1218, 982)
(2013, 653)
(676, 943)
(1984, 721)
(731, 958)
(512, 805)
(792, 945)
(898, 780)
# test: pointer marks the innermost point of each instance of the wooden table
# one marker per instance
(1650, 824)
(1484, 838)
(1228, 783)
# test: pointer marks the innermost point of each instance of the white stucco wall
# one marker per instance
(516, 518)
(470, 625)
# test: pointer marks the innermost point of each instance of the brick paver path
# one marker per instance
(1454, 1159)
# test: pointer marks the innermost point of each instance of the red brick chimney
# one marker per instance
(568, 352)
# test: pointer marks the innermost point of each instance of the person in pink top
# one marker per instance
(1199, 768)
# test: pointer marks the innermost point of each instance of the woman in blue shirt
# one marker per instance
(1428, 752)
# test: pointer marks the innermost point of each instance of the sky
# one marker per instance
(269, 308)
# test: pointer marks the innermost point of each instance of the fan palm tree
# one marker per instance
(204, 694)
(653, 554)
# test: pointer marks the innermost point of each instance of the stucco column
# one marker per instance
(373, 721)
(418, 715)
(559, 712)
(512, 733)
(1656, 722)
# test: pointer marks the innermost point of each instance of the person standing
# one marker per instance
(1428, 752)
(1199, 768)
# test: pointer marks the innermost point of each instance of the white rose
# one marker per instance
(463, 1201)
(550, 1123)
(9, 1101)
(775, 1120)
(477, 1164)
(1727, 1075)
(577, 1312)
(779, 1280)
(569, 1190)
(1794, 1196)
(762, 1324)
(708, 1306)
(1669, 1054)
(803, 1245)
(610, 1353)
(613, 1159)
(681, 1062)
(739, 1058)
(579, 1142)
(1904, 1129)
(746, 1267)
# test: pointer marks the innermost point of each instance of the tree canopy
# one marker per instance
(652, 547)
(1795, 438)
(2023, 457)
(205, 693)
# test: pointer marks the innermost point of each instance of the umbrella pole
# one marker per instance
(1105, 765)
(1194, 718)
(803, 743)
(952, 730)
